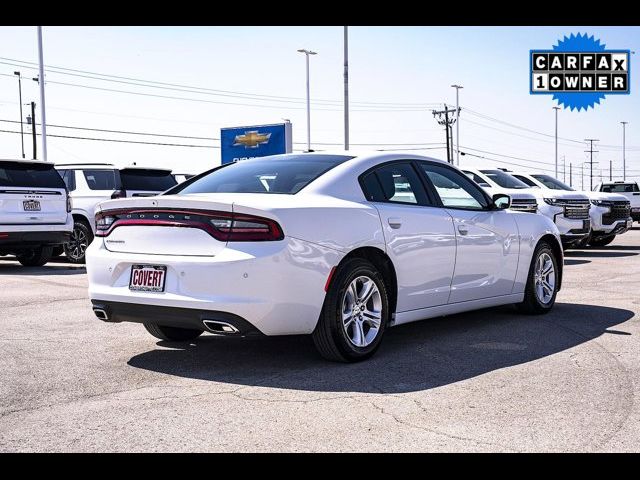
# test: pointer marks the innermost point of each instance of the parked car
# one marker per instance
(91, 183)
(628, 189)
(521, 200)
(568, 210)
(336, 246)
(610, 213)
(35, 211)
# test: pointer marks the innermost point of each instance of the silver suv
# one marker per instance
(92, 183)
(35, 211)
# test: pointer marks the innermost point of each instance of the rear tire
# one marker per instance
(602, 241)
(81, 238)
(355, 313)
(35, 257)
(541, 290)
(173, 334)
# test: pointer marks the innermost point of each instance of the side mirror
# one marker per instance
(501, 201)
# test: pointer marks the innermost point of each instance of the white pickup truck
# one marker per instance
(628, 189)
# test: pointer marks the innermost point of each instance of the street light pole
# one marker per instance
(307, 53)
(346, 88)
(21, 121)
(457, 87)
(556, 109)
(624, 160)
(42, 107)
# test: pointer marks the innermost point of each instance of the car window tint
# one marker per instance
(400, 183)
(372, 188)
(476, 178)
(27, 174)
(101, 179)
(146, 179)
(455, 189)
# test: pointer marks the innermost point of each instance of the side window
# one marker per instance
(69, 179)
(396, 183)
(476, 178)
(455, 189)
(100, 179)
(525, 180)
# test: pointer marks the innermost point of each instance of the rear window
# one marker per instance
(146, 179)
(287, 174)
(31, 175)
(620, 188)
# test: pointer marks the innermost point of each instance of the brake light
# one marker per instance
(69, 204)
(119, 194)
(223, 226)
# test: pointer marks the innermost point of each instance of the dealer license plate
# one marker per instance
(31, 205)
(148, 278)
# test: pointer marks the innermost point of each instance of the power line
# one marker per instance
(195, 89)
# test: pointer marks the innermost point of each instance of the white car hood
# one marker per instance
(604, 196)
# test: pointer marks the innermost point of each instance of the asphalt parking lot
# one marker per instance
(491, 380)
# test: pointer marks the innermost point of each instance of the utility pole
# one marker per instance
(610, 170)
(307, 53)
(624, 160)
(443, 119)
(457, 87)
(591, 151)
(556, 109)
(32, 120)
(346, 88)
(21, 120)
(42, 104)
(570, 174)
(564, 169)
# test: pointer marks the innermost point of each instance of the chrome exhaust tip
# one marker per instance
(101, 314)
(221, 328)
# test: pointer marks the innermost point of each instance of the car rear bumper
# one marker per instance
(221, 323)
(276, 287)
(20, 240)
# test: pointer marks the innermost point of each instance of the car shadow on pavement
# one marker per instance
(575, 261)
(413, 357)
(598, 253)
(59, 266)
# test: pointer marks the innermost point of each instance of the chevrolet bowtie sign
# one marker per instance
(252, 139)
(242, 143)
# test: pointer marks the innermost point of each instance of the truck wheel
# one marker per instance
(601, 241)
(81, 238)
(174, 334)
(35, 257)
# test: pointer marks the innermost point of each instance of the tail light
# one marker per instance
(119, 194)
(223, 226)
(69, 204)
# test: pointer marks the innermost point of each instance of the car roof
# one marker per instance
(136, 167)
(24, 160)
(85, 165)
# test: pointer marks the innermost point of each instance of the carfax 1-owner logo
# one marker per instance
(579, 72)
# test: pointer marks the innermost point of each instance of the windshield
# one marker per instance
(504, 179)
(30, 175)
(552, 183)
(620, 188)
(146, 179)
(286, 174)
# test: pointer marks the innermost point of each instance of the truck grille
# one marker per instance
(620, 210)
(577, 209)
(524, 205)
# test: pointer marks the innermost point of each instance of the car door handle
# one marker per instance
(463, 229)
(394, 222)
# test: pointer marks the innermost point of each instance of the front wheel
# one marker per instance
(174, 334)
(35, 257)
(354, 315)
(542, 283)
(601, 241)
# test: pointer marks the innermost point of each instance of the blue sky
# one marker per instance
(397, 65)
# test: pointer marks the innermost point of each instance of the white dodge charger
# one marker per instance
(333, 245)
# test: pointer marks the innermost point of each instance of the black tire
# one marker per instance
(35, 257)
(330, 338)
(601, 241)
(81, 238)
(532, 305)
(173, 334)
(57, 251)
(583, 243)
